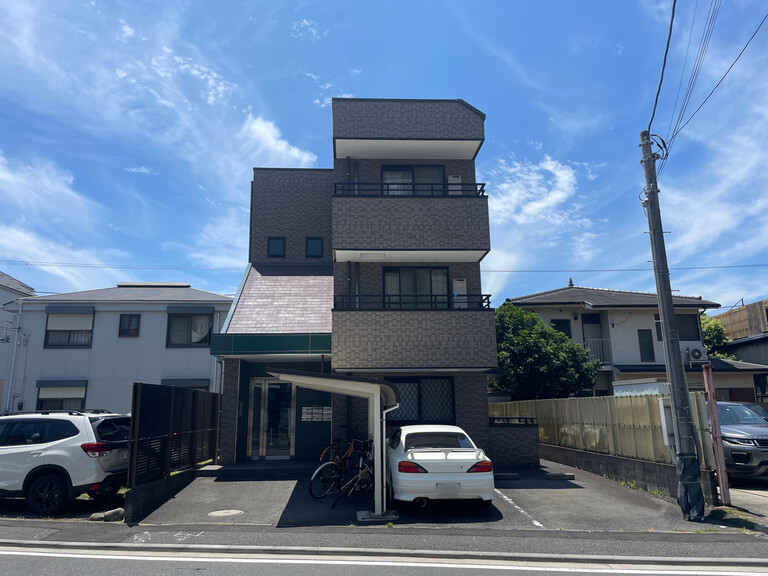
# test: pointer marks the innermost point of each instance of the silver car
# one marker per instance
(745, 440)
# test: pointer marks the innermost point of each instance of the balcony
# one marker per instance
(600, 349)
(409, 189)
(368, 340)
(380, 226)
(411, 302)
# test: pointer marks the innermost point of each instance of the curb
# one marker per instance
(388, 553)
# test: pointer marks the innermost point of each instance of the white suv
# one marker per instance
(51, 457)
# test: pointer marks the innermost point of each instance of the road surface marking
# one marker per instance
(509, 500)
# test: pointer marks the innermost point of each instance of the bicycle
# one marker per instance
(362, 479)
(329, 475)
(331, 452)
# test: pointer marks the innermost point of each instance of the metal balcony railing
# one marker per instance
(600, 349)
(411, 302)
(409, 189)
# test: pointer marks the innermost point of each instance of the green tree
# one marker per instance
(540, 361)
(715, 338)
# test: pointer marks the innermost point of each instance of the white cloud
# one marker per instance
(39, 193)
(125, 30)
(139, 170)
(525, 193)
(260, 138)
(305, 29)
(355, 71)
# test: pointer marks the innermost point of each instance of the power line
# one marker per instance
(664, 64)
(724, 75)
(240, 269)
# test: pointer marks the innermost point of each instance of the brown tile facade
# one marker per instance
(413, 339)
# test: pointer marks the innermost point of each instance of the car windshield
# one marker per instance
(437, 440)
(759, 410)
(731, 414)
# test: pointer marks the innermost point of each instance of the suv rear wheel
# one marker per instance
(47, 495)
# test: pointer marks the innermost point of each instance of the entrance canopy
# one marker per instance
(380, 396)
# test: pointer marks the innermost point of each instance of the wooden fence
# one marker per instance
(627, 426)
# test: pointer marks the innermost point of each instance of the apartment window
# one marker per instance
(314, 247)
(61, 394)
(69, 327)
(563, 326)
(413, 180)
(189, 329)
(276, 247)
(416, 287)
(129, 325)
(645, 339)
(423, 401)
(687, 327)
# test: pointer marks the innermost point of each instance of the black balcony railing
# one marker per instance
(409, 189)
(411, 302)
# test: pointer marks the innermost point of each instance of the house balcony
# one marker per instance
(387, 340)
(411, 302)
(431, 224)
(600, 349)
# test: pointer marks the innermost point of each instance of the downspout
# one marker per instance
(16, 345)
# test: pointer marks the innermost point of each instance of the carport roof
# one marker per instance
(337, 384)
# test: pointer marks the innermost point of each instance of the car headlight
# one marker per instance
(740, 441)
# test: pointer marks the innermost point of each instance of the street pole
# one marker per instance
(689, 495)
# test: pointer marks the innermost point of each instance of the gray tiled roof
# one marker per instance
(601, 298)
(294, 301)
(12, 283)
(134, 293)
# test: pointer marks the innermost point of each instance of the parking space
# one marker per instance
(532, 502)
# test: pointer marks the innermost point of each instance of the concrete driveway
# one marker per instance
(585, 503)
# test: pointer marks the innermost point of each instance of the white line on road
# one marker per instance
(593, 569)
(509, 500)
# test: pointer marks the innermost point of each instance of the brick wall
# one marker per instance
(514, 446)
(413, 339)
(295, 204)
(229, 401)
(406, 119)
(411, 222)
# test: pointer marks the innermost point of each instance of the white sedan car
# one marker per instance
(437, 462)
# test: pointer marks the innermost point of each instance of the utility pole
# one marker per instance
(689, 495)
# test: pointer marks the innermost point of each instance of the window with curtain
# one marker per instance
(413, 180)
(69, 330)
(416, 287)
(129, 325)
(189, 329)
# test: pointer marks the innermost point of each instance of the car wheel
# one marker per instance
(47, 495)
(485, 504)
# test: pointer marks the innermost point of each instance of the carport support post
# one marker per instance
(717, 438)
(374, 414)
(689, 495)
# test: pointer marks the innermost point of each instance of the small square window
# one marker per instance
(314, 247)
(276, 247)
(129, 325)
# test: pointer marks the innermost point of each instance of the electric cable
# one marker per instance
(664, 64)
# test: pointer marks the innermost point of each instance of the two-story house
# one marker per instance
(623, 330)
(369, 270)
(86, 349)
(10, 290)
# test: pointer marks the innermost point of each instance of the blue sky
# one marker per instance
(128, 131)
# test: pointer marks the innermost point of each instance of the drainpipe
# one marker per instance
(16, 345)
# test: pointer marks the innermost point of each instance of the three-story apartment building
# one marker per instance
(369, 270)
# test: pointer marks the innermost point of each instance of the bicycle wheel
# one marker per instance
(330, 454)
(324, 479)
(365, 480)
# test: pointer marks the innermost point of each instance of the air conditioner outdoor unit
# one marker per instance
(694, 353)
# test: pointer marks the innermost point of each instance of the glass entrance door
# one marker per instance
(271, 423)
